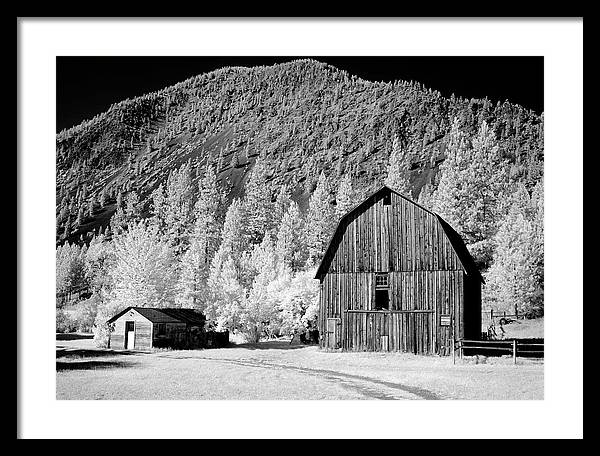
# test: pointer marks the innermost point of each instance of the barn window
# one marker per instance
(162, 329)
(387, 199)
(382, 300)
(381, 280)
(382, 297)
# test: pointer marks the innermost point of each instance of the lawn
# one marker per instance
(278, 370)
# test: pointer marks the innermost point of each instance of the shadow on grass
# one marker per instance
(91, 353)
(90, 365)
(73, 336)
(271, 345)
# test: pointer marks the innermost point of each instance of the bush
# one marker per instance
(85, 314)
(64, 323)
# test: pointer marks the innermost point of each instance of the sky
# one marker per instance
(86, 86)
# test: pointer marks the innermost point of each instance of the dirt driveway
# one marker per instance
(278, 370)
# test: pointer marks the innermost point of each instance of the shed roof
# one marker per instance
(456, 241)
(166, 315)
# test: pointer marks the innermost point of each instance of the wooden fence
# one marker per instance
(514, 347)
(490, 316)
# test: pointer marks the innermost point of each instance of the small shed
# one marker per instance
(143, 328)
(397, 277)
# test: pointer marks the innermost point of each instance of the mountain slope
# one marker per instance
(303, 117)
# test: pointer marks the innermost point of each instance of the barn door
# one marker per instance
(129, 335)
(333, 332)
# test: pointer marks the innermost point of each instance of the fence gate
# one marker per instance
(333, 332)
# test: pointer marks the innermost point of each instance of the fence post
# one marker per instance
(453, 351)
(515, 351)
(461, 347)
(492, 315)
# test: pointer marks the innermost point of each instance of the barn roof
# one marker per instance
(456, 241)
(166, 315)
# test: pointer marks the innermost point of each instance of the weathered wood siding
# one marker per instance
(143, 331)
(396, 237)
(175, 335)
(427, 282)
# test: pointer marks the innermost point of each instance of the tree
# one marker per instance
(345, 197)
(227, 296)
(257, 204)
(471, 189)
(425, 198)
(319, 221)
(515, 280)
(298, 303)
(204, 242)
(158, 207)
(133, 210)
(178, 207)
(397, 170)
(290, 246)
(259, 306)
(282, 203)
(142, 274)
(235, 160)
(70, 270)
(80, 216)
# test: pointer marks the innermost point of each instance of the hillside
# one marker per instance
(303, 116)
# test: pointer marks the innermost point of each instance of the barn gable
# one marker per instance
(389, 232)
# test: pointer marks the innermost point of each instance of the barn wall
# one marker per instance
(397, 237)
(175, 335)
(143, 331)
(418, 300)
(427, 282)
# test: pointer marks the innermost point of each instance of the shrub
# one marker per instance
(85, 314)
(64, 323)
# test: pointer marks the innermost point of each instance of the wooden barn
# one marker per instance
(396, 277)
(143, 328)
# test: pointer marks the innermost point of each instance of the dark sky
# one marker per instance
(87, 86)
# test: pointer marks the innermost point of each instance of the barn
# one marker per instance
(144, 328)
(396, 277)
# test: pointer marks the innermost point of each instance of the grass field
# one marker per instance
(278, 370)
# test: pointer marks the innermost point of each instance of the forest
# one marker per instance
(221, 193)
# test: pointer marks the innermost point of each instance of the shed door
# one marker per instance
(333, 332)
(129, 335)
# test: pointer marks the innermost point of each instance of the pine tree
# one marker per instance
(204, 242)
(234, 239)
(103, 198)
(471, 188)
(235, 160)
(397, 170)
(319, 221)
(515, 280)
(80, 216)
(425, 198)
(67, 228)
(133, 208)
(345, 197)
(290, 246)
(282, 203)
(258, 208)
(179, 207)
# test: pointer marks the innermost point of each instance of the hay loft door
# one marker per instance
(333, 332)
(129, 335)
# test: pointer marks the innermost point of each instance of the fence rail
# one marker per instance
(492, 315)
(513, 347)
